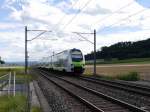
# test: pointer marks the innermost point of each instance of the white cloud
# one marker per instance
(43, 14)
(9, 26)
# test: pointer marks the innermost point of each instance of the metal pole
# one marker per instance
(9, 83)
(94, 52)
(26, 52)
(26, 65)
(14, 83)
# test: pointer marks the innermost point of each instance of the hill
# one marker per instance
(123, 50)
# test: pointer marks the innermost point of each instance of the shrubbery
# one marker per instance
(131, 76)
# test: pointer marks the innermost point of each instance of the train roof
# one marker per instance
(67, 50)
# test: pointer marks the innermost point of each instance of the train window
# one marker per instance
(76, 56)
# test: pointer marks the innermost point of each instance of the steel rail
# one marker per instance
(87, 103)
(119, 102)
(120, 85)
(126, 84)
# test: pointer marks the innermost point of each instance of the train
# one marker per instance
(70, 61)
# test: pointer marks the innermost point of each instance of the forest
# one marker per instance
(123, 50)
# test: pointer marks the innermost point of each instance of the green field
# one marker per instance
(18, 103)
(19, 73)
(5, 70)
(13, 104)
(126, 61)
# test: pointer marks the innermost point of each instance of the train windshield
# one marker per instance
(76, 55)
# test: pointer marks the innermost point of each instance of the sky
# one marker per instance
(114, 21)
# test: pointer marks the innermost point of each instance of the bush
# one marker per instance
(13, 104)
(131, 76)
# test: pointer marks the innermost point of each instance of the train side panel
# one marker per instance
(61, 61)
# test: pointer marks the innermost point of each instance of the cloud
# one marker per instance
(10, 25)
(97, 10)
(46, 14)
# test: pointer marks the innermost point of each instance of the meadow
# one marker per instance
(17, 103)
(114, 70)
(125, 61)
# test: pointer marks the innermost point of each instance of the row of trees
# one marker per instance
(1, 61)
(123, 50)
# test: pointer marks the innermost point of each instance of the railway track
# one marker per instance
(93, 99)
(130, 87)
(138, 100)
(58, 99)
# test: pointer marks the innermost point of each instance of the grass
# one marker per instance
(13, 103)
(107, 77)
(5, 70)
(131, 76)
(36, 109)
(20, 76)
(17, 103)
(113, 70)
(11, 68)
(125, 61)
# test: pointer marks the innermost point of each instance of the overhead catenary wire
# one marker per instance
(105, 27)
(69, 22)
(126, 18)
(140, 11)
(84, 38)
(127, 5)
(106, 17)
(63, 17)
(38, 34)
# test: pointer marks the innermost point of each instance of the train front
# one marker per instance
(78, 62)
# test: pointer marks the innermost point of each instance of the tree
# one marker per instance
(1, 61)
(123, 50)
